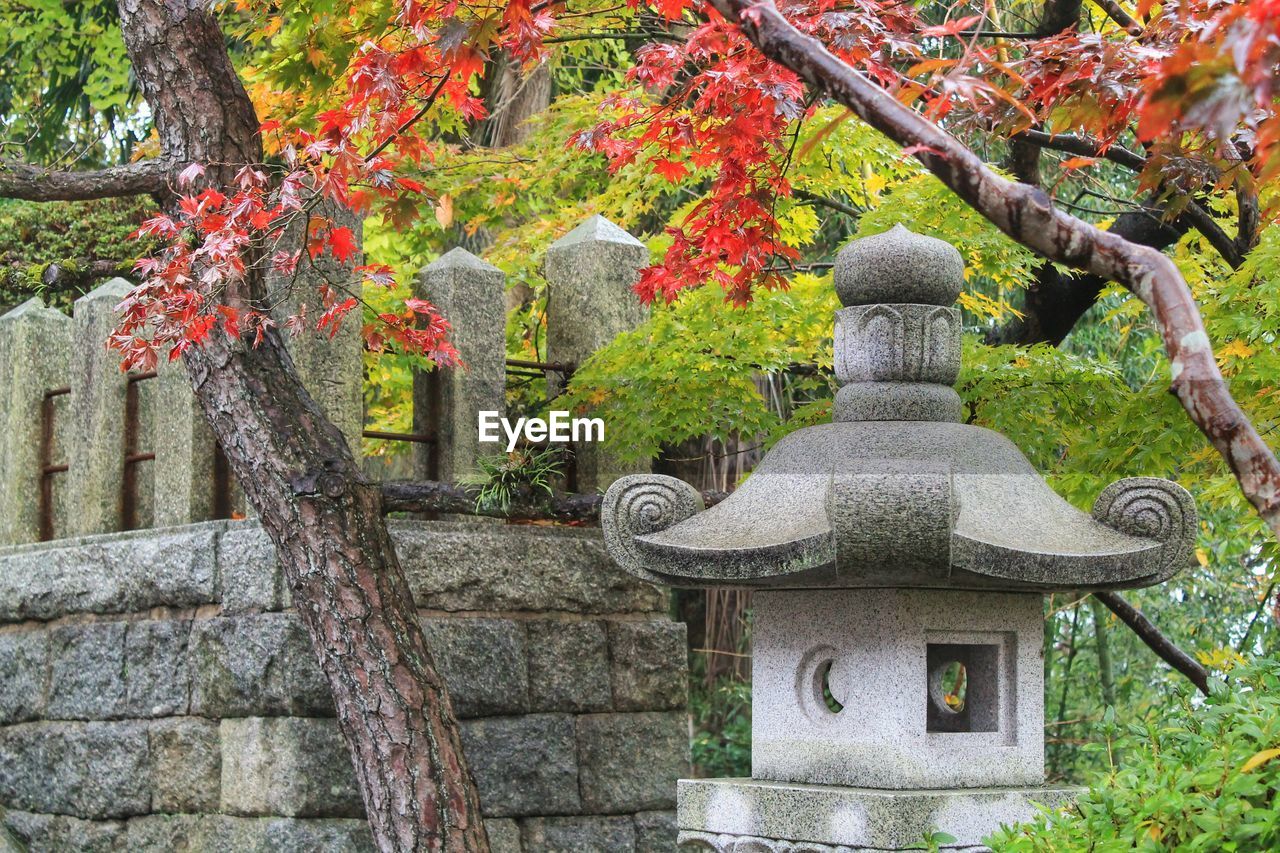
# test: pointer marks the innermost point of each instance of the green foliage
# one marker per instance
(33, 235)
(721, 714)
(1191, 775)
(713, 353)
(65, 84)
(525, 473)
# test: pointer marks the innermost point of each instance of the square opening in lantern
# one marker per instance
(962, 691)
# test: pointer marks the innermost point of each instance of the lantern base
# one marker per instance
(733, 815)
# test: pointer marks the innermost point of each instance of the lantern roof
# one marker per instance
(896, 491)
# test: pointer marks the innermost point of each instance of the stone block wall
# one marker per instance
(158, 693)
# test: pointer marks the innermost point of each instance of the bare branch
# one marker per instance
(1027, 214)
(34, 183)
(1155, 640)
(1117, 13)
(1084, 147)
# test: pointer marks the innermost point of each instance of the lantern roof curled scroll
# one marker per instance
(896, 492)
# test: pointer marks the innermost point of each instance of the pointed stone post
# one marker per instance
(35, 349)
(332, 369)
(471, 295)
(98, 390)
(185, 450)
(590, 272)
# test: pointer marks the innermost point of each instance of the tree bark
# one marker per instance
(33, 183)
(1155, 640)
(1027, 214)
(321, 512)
(1056, 301)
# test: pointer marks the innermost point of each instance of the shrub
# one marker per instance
(1200, 774)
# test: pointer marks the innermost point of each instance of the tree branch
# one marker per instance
(1083, 146)
(1117, 13)
(34, 183)
(432, 496)
(1155, 640)
(1055, 301)
(1028, 216)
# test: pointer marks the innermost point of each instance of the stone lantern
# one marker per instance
(900, 558)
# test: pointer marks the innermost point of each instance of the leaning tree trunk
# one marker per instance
(298, 473)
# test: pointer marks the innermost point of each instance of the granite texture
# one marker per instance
(897, 401)
(292, 766)
(1008, 529)
(873, 648)
(35, 348)
(183, 471)
(159, 694)
(569, 666)
(898, 265)
(331, 367)
(642, 673)
(577, 834)
(590, 273)
(897, 343)
(630, 762)
(524, 765)
(256, 665)
(716, 813)
(471, 295)
(484, 663)
(97, 414)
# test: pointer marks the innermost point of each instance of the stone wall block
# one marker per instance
(523, 765)
(186, 765)
(216, 833)
(97, 404)
(29, 832)
(93, 770)
(290, 766)
(87, 671)
(256, 665)
(471, 295)
(157, 674)
(483, 664)
(249, 573)
(590, 273)
(454, 566)
(656, 832)
(568, 666)
(35, 349)
(649, 665)
(504, 835)
(575, 834)
(24, 663)
(124, 573)
(630, 762)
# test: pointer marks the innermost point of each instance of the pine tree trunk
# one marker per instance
(298, 473)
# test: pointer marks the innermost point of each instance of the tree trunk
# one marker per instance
(298, 473)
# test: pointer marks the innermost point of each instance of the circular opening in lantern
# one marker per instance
(833, 704)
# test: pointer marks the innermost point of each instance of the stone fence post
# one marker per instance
(471, 295)
(332, 369)
(98, 390)
(590, 272)
(35, 349)
(185, 489)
